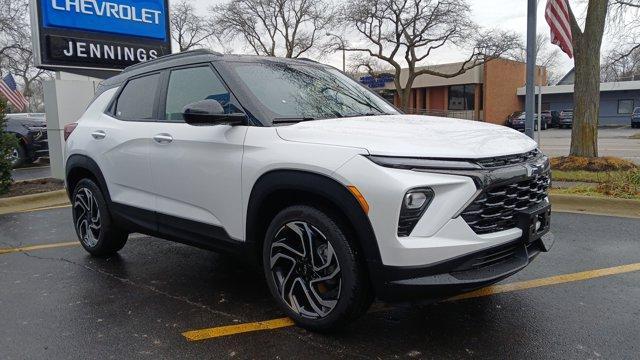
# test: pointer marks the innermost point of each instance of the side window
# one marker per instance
(194, 84)
(136, 101)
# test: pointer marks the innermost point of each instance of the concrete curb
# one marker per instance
(33, 201)
(595, 205)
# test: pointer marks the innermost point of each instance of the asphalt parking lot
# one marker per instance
(611, 142)
(163, 300)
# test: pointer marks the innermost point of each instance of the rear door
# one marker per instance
(196, 170)
(122, 139)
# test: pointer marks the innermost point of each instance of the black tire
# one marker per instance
(342, 296)
(107, 239)
(19, 156)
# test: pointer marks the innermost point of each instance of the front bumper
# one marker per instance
(38, 143)
(458, 275)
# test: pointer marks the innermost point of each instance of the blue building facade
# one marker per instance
(617, 100)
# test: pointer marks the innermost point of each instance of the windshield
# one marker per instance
(298, 92)
(636, 111)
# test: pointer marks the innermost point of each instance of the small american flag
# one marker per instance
(9, 89)
(557, 16)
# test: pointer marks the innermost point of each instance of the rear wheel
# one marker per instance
(92, 221)
(313, 270)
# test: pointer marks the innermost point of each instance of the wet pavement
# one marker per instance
(60, 303)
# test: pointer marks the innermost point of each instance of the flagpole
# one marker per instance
(531, 63)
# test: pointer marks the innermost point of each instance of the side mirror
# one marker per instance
(209, 112)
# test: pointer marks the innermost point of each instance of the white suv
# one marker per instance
(339, 196)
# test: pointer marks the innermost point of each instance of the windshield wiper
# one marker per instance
(366, 114)
(291, 120)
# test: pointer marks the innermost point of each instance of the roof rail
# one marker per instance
(172, 57)
(306, 59)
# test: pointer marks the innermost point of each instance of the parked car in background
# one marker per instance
(566, 119)
(517, 121)
(551, 118)
(635, 118)
(31, 131)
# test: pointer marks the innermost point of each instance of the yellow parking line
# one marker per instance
(38, 247)
(204, 334)
(196, 335)
(553, 280)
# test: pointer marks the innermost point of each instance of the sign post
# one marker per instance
(105, 35)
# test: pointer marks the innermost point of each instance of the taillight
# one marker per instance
(68, 129)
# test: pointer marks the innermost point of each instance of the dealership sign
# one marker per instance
(99, 34)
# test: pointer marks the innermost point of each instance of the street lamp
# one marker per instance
(344, 51)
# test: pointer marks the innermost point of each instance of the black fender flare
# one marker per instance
(87, 164)
(319, 185)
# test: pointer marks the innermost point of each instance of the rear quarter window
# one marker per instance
(137, 99)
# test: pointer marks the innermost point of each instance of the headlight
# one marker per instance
(422, 163)
(414, 204)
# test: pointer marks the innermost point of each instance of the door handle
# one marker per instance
(163, 138)
(99, 134)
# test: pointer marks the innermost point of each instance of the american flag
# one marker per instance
(557, 16)
(9, 89)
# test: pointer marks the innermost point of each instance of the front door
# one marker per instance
(197, 169)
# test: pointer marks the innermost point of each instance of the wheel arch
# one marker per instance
(277, 189)
(79, 167)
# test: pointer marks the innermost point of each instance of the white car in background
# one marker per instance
(339, 196)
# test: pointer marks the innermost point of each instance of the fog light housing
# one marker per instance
(414, 204)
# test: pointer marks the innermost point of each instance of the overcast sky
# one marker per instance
(503, 14)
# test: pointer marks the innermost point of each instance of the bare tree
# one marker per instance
(189, 29)
(407, 32)
(621, 65)
(288, 28)
(16, 54)
(13, 27)
(547, 55)
(587, 42)
(623, 60)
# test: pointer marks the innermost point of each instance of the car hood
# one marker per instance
(27, 122)
(412, 136)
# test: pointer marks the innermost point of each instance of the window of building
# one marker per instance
(137, 99)
(625, 106)
(462, 97)
(189, 85)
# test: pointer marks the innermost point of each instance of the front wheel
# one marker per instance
(313, 269)
(92, 221)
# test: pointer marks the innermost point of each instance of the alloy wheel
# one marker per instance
(87, 217)
(305, 269)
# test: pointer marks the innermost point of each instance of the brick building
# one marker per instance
(486, 93)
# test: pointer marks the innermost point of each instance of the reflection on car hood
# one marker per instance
(412, 136)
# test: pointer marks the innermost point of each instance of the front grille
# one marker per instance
(495, 209)
(508, 159)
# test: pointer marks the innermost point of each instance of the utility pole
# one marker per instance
(529, 107)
